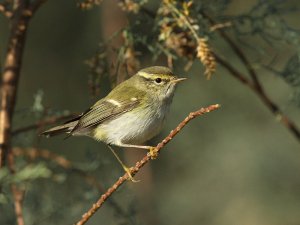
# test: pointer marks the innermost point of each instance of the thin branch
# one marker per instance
(280, 116)
(34, 6)
(255, 85)
(18, 196)
(141, 163)
(44, 122)
(17, 193)
(238, 52)
(5, 10)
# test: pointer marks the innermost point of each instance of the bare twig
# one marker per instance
(5, 10)
(18, 196)
(17, 193)
(218, 26)
(285, 120)
(141, 163)
(255, 84)
(234, 72)
(35, 5)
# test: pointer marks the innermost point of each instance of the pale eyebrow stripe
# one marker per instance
(114, 102)
(145, 75)
(150, 76)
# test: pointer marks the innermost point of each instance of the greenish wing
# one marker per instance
(103, 111)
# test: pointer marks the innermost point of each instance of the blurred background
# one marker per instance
(237, 165)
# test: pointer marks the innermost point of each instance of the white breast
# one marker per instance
(131, 128)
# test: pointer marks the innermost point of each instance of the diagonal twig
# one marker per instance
(254, 84)
(142, 162)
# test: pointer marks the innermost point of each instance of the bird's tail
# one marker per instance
(61, 129)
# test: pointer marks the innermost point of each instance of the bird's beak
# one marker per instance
(177, 80)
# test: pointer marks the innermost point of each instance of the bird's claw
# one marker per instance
(130, 177)
(153, 153)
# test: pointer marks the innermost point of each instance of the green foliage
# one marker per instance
(29, 173)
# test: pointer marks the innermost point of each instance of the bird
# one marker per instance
(131, 114)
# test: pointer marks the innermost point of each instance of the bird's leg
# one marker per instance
(126, 169)
(152, 150)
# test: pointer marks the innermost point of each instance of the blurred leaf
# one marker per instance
(32, 172)
(4, 175)
(3, 199)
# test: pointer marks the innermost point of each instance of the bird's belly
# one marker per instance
(130, 128)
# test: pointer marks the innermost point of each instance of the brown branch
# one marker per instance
(9, 85)
(44, 122)
(11, 74)
(238, 52)
(17, 193)
(255, 85)
(10, 77)
(34, 6)
(234, 72)
(18, 197)
(5, 10)
(141, 163)
(285, 120)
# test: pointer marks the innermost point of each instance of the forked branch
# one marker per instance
(142, 162)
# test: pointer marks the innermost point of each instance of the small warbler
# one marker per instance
(132, 113)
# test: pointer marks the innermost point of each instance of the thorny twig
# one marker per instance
(141, 163)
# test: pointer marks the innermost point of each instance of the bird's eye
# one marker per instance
(158, 80)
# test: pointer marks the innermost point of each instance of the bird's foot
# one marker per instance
(153, 153)
(130, 177)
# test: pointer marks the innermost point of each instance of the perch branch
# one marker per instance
(141, 163)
